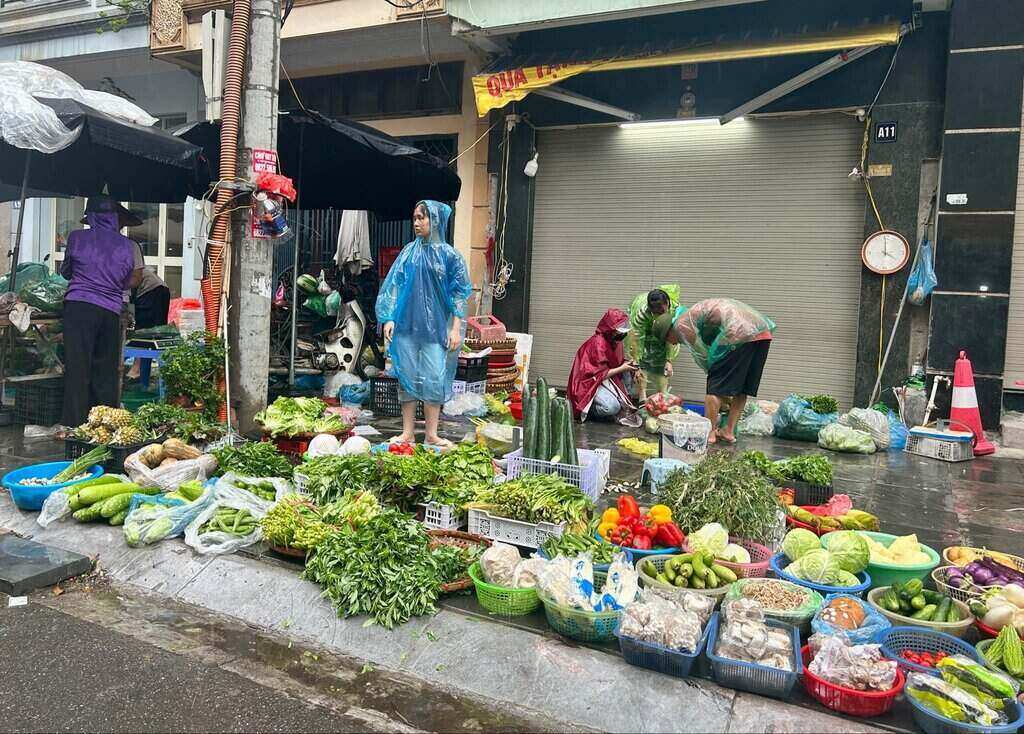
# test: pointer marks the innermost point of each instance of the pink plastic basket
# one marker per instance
(485, 328)
(759, 558)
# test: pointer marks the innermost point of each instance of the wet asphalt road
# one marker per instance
(64, 674)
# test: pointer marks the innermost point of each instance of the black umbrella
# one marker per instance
(342, 164)
(124, 160)
(131, 162)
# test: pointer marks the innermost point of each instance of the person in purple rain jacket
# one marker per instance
(100, 265)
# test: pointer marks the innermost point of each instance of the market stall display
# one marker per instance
(965, 696)
(628, 526)
(32, 486)
(779, 600)
(894, 559)
(839, 568)
(751, 652)
(1004, 654)
(665, 633)
(999, 608)
(851, 618)
(573, 606)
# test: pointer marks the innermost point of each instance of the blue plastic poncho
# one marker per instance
(425, 288)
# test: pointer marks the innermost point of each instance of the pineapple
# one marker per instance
(96, 415)
(116, 418)
(101, 435)
(127, 435)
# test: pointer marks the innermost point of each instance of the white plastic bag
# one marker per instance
(871, 422)
(466, 403)
(757, 423)
(169, 478)
(282, 487)
(217, 542)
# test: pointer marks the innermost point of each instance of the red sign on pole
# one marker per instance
(264, 161)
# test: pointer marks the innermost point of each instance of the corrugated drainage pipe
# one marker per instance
(234, 72)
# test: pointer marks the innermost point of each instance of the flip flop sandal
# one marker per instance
(725, 439)
(444, 445)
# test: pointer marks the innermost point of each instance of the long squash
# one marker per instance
(92, 495)
(543, 409)
(571, 456)
(557, 449)
(529, 424)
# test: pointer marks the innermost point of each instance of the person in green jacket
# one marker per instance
(650, 318)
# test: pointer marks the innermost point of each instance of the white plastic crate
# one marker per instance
(949, 446)
(440, 517)
(528, 535)
(590, 475)
(461, 386)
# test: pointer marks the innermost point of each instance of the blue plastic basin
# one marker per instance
(31, 497)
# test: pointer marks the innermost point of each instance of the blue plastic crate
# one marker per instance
(31, 497)
(899, 639)
(752, 677)
(661, 659)
(779, 562)
(932, 723)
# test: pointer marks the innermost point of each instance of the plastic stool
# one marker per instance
(657, 471)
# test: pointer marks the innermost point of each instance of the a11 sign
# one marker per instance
(885, 132)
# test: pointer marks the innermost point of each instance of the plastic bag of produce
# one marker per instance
(898, 433)
(622, 585)
(950, 701)
(796, 420)
(57, 505)
(466, 403)
(153, 518)
(46, 294)
(756, 424)
(265, 489)
(498, 564)
(871, 422)
(838, 618)
(569, 582)
(837, 437)
(659, 621)
(168, 478)
(495, 436)
(922, 280)
(683, 599)
(860, 667)
(208, 541)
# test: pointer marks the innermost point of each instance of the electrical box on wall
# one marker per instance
(215, 45)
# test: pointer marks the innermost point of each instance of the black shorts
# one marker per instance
(151, 309)
(739, 372)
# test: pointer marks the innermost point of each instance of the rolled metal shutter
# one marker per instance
(757, 210)
(1014, 368)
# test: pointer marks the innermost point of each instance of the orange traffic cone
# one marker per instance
(964, 407)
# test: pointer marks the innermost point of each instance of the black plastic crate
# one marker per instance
(39, 402)
(75, 447)
(385, 398)
(472, 369)
(807, 494)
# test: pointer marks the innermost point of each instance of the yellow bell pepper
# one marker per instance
(660, 514)
(610, 515)
(605, 529)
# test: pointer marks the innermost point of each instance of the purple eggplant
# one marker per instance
(954, 572)
(1001, 570)
(979, 574)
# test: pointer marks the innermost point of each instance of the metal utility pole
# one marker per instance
(252, 259)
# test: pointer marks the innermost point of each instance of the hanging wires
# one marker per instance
(503, 269)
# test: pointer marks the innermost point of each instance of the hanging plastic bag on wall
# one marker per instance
(922, 278)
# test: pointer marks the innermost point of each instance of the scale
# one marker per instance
(153, 343)
(940, 441)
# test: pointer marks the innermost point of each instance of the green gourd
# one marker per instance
(543, 408)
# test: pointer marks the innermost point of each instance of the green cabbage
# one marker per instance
(798, 542)
(735, 553)
(845, 578)
(850, 550)
(817, 566)
(710, 540)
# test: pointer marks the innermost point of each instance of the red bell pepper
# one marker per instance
(621, 536)
(669, 535)
(646, 527)
(628, 507)
(641, 542)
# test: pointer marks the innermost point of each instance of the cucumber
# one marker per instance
(105, 479)
(952, 614)
(571, 457)
(543, 408)
(529, 433)
(118, 519)
(943, 609)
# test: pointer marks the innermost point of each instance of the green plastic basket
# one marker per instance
(887, 574)
(133, 400)
(579, 624)
(500, 600)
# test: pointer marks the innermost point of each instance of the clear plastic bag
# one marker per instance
(231, 481)
(154, 518)
(495, 436)
(796, 420)
(757, 423)
(922, 280)
(837, 437)
(870, 421)
(217, 542)
(870, 630)
(662, 623)
(57, 506)
(751, 641)
(466, 403)
(569, 582)
(683, 599)
(169, 478)
(860, 667)
(498, 564)
(948, 700)
(621, 586)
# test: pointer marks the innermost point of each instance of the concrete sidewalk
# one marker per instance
(514, 668)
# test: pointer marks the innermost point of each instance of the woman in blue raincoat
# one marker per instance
(422, 305)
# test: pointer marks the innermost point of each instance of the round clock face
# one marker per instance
(885, 252)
